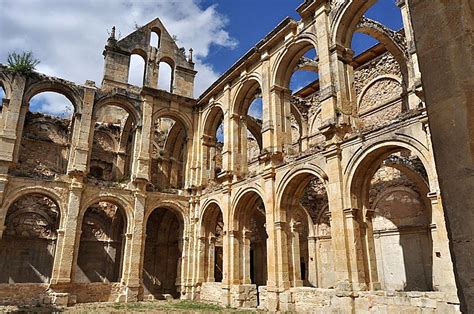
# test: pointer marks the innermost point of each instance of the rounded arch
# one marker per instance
(156, 43)
(121, 102)
(209, 215)
(138, 51)
(19, 193)
(137, 67)
(180, 211)
(291, 188)
(177, 116)
(288, 60)
(166, 74)
(109, 138)
(368, 159)
(213, 117)
(238, 196)
(375, 80)
(245, 200)
(387, 38)
(346, 19)
(314, 128)
(123, 204)
(5, 84)
(72, 93)
(245, 94)
(300, 171)
(208, 203)
(298, 117)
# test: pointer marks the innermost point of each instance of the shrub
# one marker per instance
(22, 63)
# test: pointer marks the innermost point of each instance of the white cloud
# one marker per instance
(51, 103)
(68, 36)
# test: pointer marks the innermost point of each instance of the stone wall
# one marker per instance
(96, 292)
(23, 293)
(211, 292)
(314, 300)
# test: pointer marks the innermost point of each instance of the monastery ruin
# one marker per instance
(328, 202)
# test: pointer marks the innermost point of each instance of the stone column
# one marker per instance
(374, 283)
(295, 254)
(326, 72)
(243, 146)
(206, 160)
(276, 132)
(246, 234)
(235, 261)
(211, 250)
(135, 244)
(70, 233)
(81, 147)
(313, 261)
(13, 117)
(355, 248)
(141, 158)
(212, 162)
(444, 42)
(201, 257)
(443, 273)
(118, 168)
(345, 233)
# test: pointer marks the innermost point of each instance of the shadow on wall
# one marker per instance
(162, 258)
(101, 245)
(28, 244)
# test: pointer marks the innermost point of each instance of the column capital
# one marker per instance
(279, 89)
(281, 225)
(233, 233)
(351, 213)
(400, 3)
(369, 213)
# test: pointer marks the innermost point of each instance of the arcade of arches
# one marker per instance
(256, 194)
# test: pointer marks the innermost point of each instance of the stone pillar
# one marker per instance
(206, 160)
(212, 162)
(374, 283)
(118, 170)
(246, 234)
(444, 42)
(13, 116)
(229, 152)
(234, 258)
(211, 251)
(313, 261)
(345, 233)
(243, 146)
(295, 255)
(326, 71)
(132, 275)
(69, 236)
(355, 248)
(202, 258)
(143, 133)
(81, 146)
(276, 132)
(443, 272)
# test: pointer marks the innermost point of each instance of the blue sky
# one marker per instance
(251, 20)
(219, 31)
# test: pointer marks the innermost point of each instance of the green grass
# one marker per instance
(167, 306)
(178, 306)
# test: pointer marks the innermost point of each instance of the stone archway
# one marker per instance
(28, 243)
(163, 253)
(101, 246)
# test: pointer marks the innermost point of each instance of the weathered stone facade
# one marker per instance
(329, 203)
